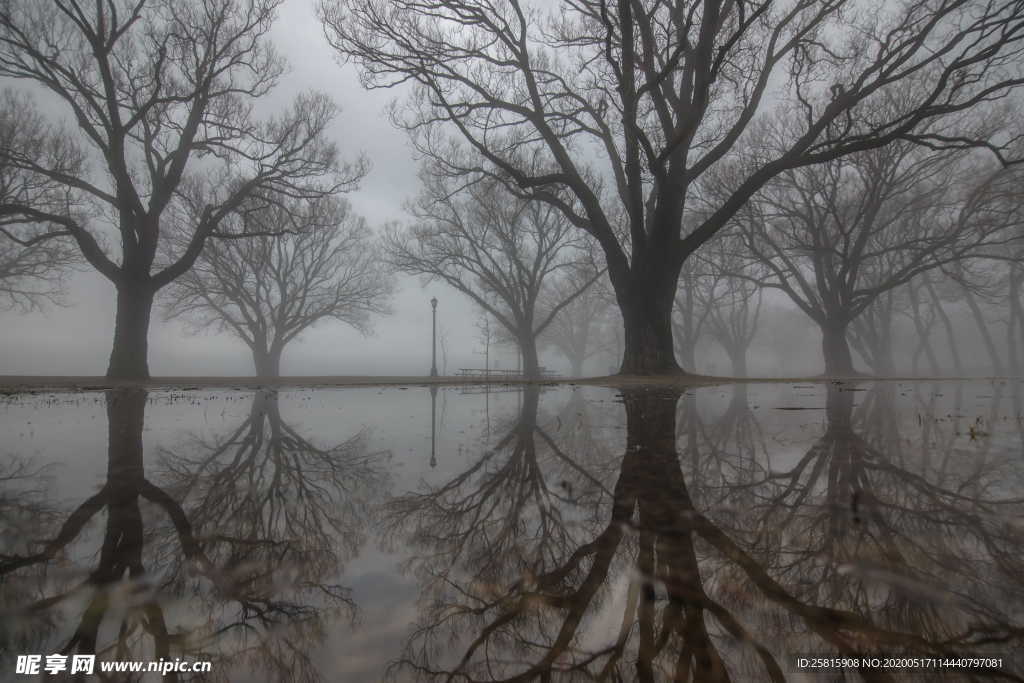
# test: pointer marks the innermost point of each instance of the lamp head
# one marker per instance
(433, 302)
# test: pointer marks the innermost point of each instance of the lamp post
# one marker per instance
(433, 353)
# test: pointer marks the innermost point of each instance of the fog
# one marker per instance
(75, 338)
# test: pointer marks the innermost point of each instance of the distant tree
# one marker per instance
(731, 298)
(575, 329)
(160, 96)
(502, 252)
(871, 333)
(32, 273)
(486, 336)
(33, 262)
(268, 290)
(1015, 317)
(688, 315)
(836, 237)
(634, 102)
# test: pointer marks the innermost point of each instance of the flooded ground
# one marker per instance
(742, 533)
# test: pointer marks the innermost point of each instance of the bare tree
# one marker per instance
(634, 101)
(574, 331)
(871, 333)
(689, 315)
(485, 335)
(162, 98)
(33, 267)
(500, 251)
(267, 290)
(1015, 318)
(837, 236)
(731, 298)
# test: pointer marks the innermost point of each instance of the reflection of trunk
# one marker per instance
(836, 349)
(666, 541)
(839, 411)
(121, 552)
(128, 358)
(122, 545)
(646, 305)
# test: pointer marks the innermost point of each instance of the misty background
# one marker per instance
(74, 339)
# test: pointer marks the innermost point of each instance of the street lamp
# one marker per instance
(433, 354)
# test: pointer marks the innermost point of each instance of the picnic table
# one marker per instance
(497, 374)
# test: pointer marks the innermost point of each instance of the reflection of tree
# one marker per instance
(913, 531)
(511, 498)
(241, 575)
(24, 509)
(660, 578)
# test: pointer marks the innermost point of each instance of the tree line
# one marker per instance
(652, 168)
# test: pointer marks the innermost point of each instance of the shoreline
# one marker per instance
(16, 384)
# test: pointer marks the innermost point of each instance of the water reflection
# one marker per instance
(697, 559)
(649, 534)
(230, 552)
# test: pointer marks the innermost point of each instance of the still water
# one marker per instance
(736, 533)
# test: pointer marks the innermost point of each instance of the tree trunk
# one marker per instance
(130, 353)
(268, 362)
(647, 318)
(738, 358)
(577, 366)
(528, 347)
(836, 349)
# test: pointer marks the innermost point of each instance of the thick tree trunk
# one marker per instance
(528, 348)
(267, 362)
(129, 358)
(836, 350)
(647, 319)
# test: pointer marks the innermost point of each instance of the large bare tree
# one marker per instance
(268, 290)
(161, 96)
(634, 101)
(503, 252)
